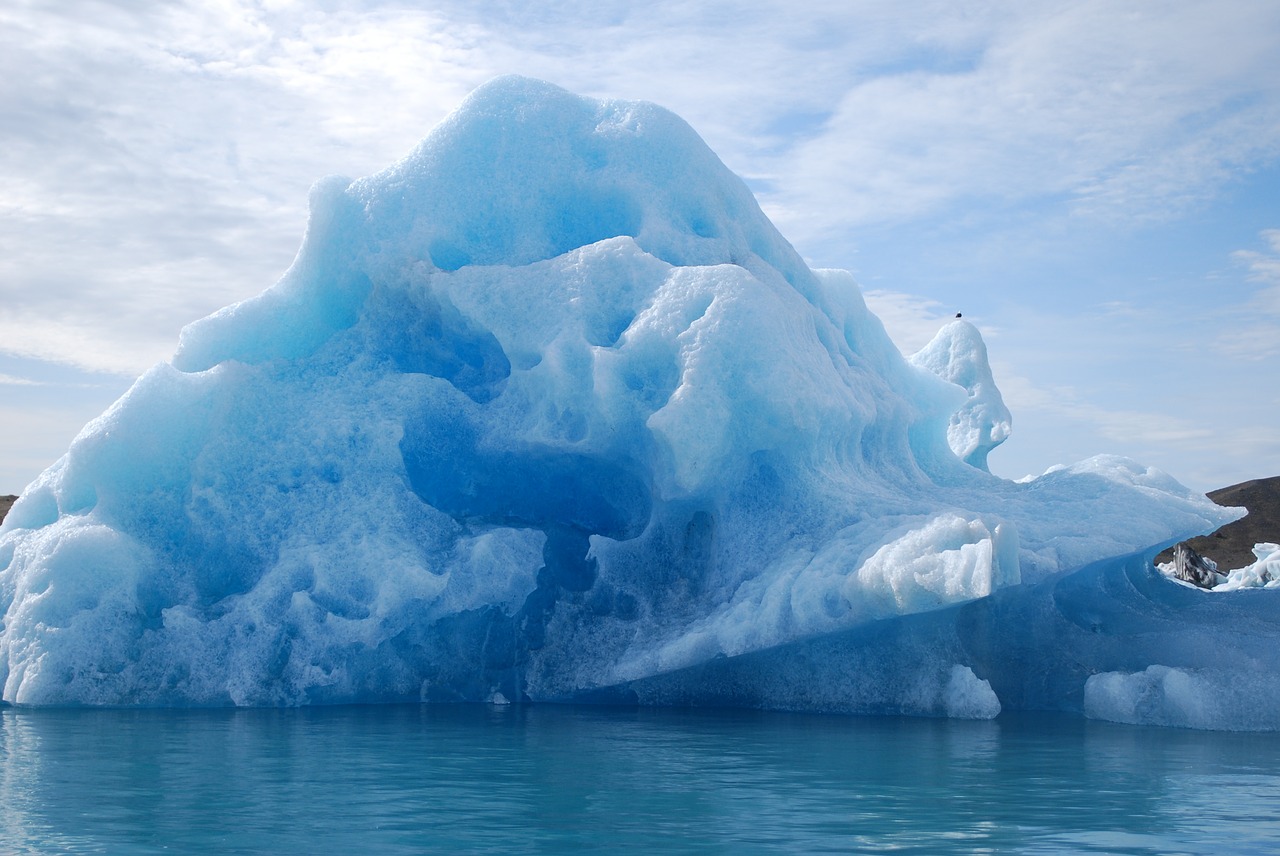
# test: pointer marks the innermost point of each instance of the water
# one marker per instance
(544, 779)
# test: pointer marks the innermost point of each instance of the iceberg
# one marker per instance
(550, 411)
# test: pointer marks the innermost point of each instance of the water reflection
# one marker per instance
(549, 779)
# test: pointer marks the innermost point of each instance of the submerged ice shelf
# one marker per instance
(549, 410)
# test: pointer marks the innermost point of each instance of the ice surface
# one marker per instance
(1114, 640)
(966, 696)
(958, 354)
(1263, 573)
(1230, 699)
(549, 410)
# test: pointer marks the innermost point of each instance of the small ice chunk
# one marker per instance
(1158, 695)
(966, 696)
(948, 560)
(1263, 573)
(1232, 698)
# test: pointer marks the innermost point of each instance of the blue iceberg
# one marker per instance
(549, 410)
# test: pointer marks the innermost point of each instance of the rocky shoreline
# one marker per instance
(1232, 545)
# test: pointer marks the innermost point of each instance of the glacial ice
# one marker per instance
(1231, 699)
(550, 411)
(958, 354)
(1264, 572)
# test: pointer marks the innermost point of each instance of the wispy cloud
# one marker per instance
(158, 156)
(910, 320)
(1186, 435)
(157, 159)
(1117, 110)
(1255, 335)
(1124, 425)
(32, 383)
(1264, 267)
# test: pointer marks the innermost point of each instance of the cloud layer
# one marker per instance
(158, 156)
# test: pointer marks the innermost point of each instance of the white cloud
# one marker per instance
(157, 161)
(33, 439)
(1185, 435)
(158, 156)
(910, 320)
(183, 137)
(1122, 109)
(1264, 267)
(1129, 426)
(1254, 331)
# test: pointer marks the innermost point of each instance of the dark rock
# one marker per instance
(5, 503)
(1232, 545)
(1189, 566)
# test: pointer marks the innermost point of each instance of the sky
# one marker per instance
(1095, 184)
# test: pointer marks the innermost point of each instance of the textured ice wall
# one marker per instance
(1115, 640)
(547, 406)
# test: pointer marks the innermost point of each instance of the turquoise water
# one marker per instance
(545, 779)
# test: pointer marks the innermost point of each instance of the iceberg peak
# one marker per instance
(959, 355)
(525, 171)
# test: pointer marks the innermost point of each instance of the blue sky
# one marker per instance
(1095, 184)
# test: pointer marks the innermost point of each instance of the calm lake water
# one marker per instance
(545, 779)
